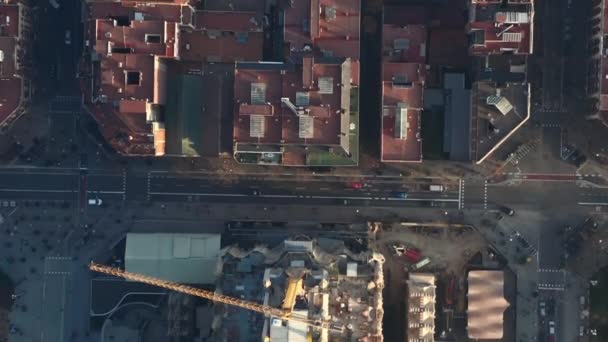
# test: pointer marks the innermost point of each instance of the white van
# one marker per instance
(436, 187)
(95, 201)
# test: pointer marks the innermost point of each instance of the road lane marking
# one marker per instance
(105, 192)
(460, 181)
(197, 194)
(149, 185)
(38, 190)
(304, 196)
(485, 194)
(124, 185)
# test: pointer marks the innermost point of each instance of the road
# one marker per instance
(141, 186)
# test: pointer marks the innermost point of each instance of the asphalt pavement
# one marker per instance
(139, 186)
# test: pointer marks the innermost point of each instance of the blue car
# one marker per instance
(399, 194)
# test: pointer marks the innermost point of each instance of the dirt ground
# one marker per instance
(449, 249)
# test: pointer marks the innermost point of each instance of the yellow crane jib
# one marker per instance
(216, 297)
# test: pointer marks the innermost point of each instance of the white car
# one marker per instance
(95, 201)
(68, 37)
(543, 311)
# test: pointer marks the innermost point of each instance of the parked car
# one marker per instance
(506, 210)
(543, 309)
(68, 37)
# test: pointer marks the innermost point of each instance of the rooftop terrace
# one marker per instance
(495, 28)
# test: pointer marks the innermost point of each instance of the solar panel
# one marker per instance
(401, 81)
(513, 37)
(401, 122)
(302, 98)
(501, 103)
(241, 37)
(256, 126)
(258, 93)
(306, 127)
(401, 44)
(326, 85)
(330, 13)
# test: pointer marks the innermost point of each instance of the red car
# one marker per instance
(357, 185)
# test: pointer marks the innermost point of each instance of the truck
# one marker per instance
(450, 289)
(421, 263)
(413, 254)
(436, 187)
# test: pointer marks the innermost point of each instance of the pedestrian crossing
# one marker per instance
(521, 152)
(551, 279)
(65, 105)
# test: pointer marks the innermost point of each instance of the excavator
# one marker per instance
(284, 313)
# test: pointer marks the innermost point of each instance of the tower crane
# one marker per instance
(216, 297)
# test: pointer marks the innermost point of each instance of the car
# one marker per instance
(256, 192)
(357, 185)
(551, 328)
(68, 37)
(399, 194)
(95, 201)
(543, 310)
(506, 210)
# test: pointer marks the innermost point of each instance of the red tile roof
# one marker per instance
(282, 125)
(228, 21)
(10, 94)
(404, 38)
(499, 34)
(207, 46)
(9, 20)
(10, 82)
(126, 50)
(8, 65)
(334, 26)
(394, 96)
(414, 36)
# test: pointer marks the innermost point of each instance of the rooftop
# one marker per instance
(279, 104)
(486, 305)
(421, 307)
(496, 28)
(404, 37)
(402, 104)
(404, 44)
(131, 46)
(11, 83)
(181, 258)
(497, 113)
(220, 46)
(329, 27)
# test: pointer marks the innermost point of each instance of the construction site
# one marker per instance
(298, 290)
